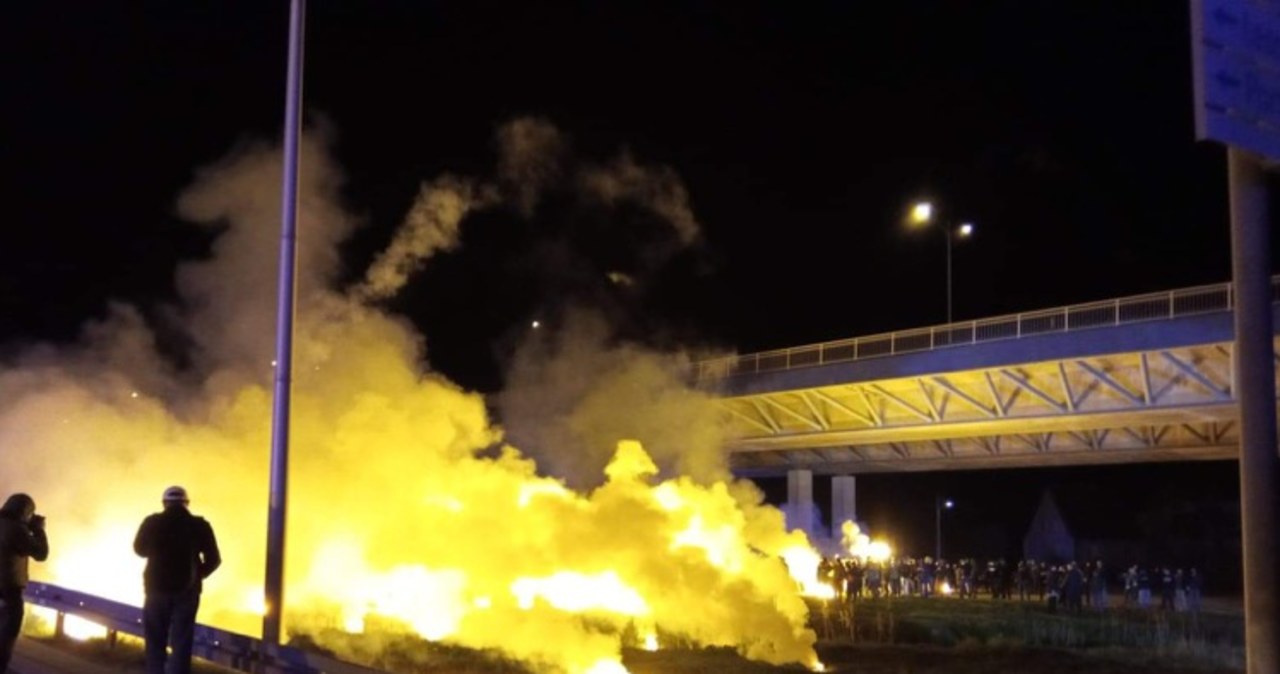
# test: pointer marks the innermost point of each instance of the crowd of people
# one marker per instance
(1069, 585)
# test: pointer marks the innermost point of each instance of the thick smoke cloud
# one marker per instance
(407, 514)
(572, 392)
(229, 298)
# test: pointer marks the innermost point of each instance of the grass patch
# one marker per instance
(1212, 641)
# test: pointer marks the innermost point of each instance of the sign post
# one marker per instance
(1236, 52)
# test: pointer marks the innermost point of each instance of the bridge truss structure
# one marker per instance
(1162, 403)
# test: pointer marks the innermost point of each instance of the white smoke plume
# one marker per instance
(657, 188)
(570, 420)
(229, 299)
(530, 153)
(401, 521)
(432, 226)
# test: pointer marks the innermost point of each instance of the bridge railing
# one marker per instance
(235, 651)
(1121, 311)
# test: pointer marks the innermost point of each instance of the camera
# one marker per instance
(37, 522)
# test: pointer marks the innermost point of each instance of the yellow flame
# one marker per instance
(352, 621)
(606, 666)
(254, 602)
(861, 546)
(802, 562)
(528, 492)
(668, 496)
(81, 629)
(73, 626)
(578, 593)
(651, 642)
(719, 543)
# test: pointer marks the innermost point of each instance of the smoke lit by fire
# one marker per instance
(859, 545)
(407, 513)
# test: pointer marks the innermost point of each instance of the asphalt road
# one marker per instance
(33, 657)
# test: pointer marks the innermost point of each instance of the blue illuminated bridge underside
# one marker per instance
(1145, 378)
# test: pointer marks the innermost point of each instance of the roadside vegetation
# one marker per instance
(899, 636)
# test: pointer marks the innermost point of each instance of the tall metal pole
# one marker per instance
(274, 586)
(937, 527)
(947, 230)
(1256, 391)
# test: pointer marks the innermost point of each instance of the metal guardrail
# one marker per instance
(1121, 311)
(237, 651)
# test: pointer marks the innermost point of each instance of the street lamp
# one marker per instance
(921, 215)
(939, 504)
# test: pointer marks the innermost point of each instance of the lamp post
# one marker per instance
(273, 584)
(921, 216)
(939, 504)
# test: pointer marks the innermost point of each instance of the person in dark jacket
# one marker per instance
(181, 552)
(1073, 585)
(22, 538)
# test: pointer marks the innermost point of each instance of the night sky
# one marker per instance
(800, 130)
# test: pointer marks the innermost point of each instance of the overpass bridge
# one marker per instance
(1133, 379)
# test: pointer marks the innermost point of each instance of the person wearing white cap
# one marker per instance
(181, 552)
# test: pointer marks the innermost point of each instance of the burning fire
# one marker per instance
(802, 562)
(407, 516)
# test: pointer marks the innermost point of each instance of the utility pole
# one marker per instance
(276, 510)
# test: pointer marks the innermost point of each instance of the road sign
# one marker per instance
(1235, 47)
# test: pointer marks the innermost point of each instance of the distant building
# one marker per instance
(1048, 539)
(1079, 531)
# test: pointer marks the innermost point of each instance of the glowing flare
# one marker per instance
(93, 562)
(82, 630)
(651, 642)
(352, 622)
(255, 602)
(802, 564)
(606, 666)
(528, 492)
(861, 546)
(719, 543)
(579, 593)
(668, 496)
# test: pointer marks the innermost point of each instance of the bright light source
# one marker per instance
(921, 212)
(966, 228)
(949, 504)
(535, 325)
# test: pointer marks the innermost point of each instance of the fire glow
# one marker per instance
(860, 545)
(408, 516)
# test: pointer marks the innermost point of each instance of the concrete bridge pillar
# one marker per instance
(800, 500)
(844, 505)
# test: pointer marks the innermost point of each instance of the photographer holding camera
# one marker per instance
(21, 537)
